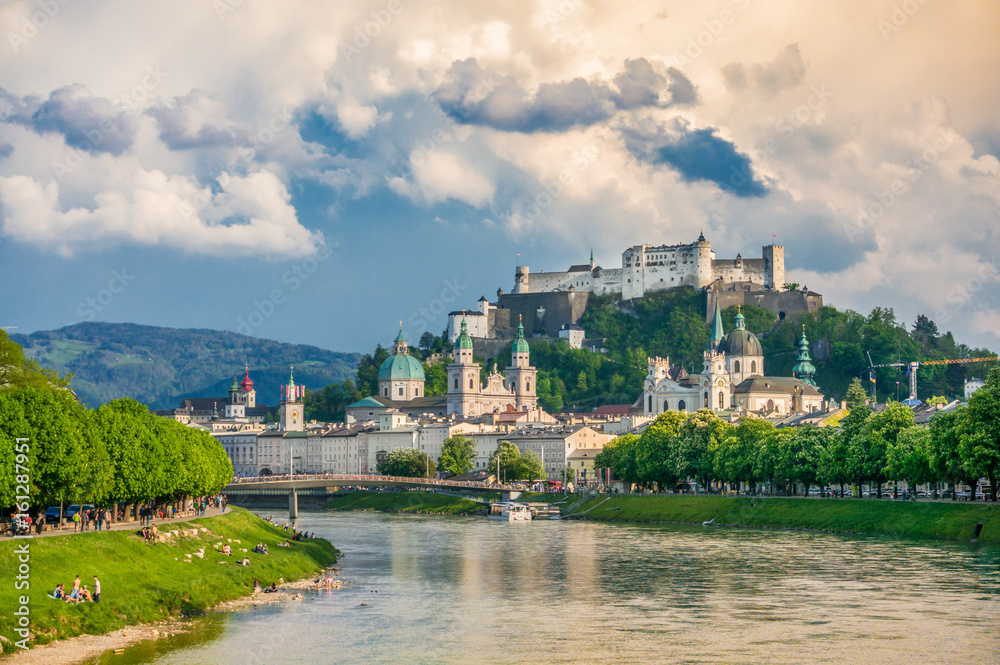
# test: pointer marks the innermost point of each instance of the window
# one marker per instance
(736, 367)
(456, 384)
(401, 391)
(385, 393)
(722, 400)
(470, 383)
(706, 399)
(753, 366)
(650, 403)
(666, 407)
(527, 386)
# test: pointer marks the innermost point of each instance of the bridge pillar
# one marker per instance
(293, 504)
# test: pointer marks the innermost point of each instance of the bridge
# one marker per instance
(295, 482)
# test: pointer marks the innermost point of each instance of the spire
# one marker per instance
(520, 344)
(739, 318)
(463, 341)
(399, 346)
(591, 259)
(717, 333)
(701, 236)
(290, 395)
(399, 337)
(803, 369)
(246, 384)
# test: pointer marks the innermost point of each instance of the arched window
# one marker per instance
(753, 366)
(527, 386)
(650, 404)
(736, 367)
(722, 400)
(666, 407)
(470, 383)
(681, 405)
(385, 393)
(770, 405)
(456, 384)
(706, 399)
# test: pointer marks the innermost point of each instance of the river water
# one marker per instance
(467, 590)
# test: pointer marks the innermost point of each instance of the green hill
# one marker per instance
(159, 366)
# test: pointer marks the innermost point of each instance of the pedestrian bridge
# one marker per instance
(293, 483)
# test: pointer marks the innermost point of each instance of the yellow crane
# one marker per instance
(912, 368)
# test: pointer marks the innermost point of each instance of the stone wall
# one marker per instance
(565, 307)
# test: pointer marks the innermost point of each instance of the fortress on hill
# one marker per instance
(647, 268)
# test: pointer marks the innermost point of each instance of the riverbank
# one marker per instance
(930, 520)
(406, 502)
(146, 583)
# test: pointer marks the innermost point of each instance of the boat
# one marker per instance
(509, 511)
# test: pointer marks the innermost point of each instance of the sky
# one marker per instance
(317, 172)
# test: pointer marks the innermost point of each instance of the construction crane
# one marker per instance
(912, 369)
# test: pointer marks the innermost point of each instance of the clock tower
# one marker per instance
(292, 408)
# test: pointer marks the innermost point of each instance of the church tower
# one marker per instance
(292, 408)
(401, 376)
(715, 383)
(464, 387)
(804, 370)
(236, 406)
(246, 385)
(520, 375)
(744, 354)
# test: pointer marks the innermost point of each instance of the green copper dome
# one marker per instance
(401, 367)
(235, 388)
(464, 341)
(520, 344)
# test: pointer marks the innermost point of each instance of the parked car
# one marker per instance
(52, 515)
(962, 496)
(75, 508)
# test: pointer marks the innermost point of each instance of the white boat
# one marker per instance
(509, 511)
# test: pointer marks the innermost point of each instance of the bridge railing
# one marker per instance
(360, 479)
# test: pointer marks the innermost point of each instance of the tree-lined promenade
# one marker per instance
(117, 455)
(957, 447)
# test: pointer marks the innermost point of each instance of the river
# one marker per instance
(467, 590)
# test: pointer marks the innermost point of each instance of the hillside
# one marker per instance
(159, 366)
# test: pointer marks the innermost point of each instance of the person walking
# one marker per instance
(76, 521)
(97, 589)
(84, 519)
(98, 518)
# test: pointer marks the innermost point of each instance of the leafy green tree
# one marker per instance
(408, 463)
(909, 458)
(699, 437)
(529, 467)
(801, 454)
(619, 455)
(509, 455)
(18, 371)
(368, 367)
(835, 461)
(856, 395)
(736, 458)
(945, 448)
(879, 432)
(656, 451)
(457, 454)
(980, 441)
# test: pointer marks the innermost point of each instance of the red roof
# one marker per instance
(612, 410)
(246, 384)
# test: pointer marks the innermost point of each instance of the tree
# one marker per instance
(426, 341)
(699, 437)
(368, 367)
(801, 452)
(655, 451)
(408, 463)
(619, 455)
(909, 457)
(17, 371)
(945, 442)
(457, 454)
(529, 467)
(509, 455)
(879, 432)
(980, 441)
(856, 395)
(835, 461)
(736, 458)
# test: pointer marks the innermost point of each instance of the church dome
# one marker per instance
(246, 384)
(741, 342)
(401, 367)
(464, 341)
(520, 344)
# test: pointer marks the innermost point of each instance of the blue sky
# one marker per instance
(316, 173)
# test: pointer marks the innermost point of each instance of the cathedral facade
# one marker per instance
(468, 397)
(732, 379)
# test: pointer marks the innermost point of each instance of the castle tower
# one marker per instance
(703, 260)
(803, 369)
(464, 387)
(774, 267)
(292, 408)
(522, 280)
(520, 376)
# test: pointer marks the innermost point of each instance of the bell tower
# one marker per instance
(292, 408)
(520, 376)
(464, 387)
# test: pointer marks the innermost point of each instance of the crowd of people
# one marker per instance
(79, 593)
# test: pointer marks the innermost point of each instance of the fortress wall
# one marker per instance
(560, 307)
(790, 303)
(743, 270)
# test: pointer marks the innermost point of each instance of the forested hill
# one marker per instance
(160, 366)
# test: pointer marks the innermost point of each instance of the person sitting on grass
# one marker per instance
(85, 595)
(59, 593)
(256, 586)
(226, 550)
(74, 594)
(245, 562)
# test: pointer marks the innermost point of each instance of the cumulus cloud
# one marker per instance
(698, 155)
(472, 95)
(196, 120)
(439, 176)
(85, 121)
(786, 71)
(248, 216)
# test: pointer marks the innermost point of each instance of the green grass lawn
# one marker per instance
(953, 521)
(544, 497)
(142, 582)
(405, 502)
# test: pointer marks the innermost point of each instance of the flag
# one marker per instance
(773, 236)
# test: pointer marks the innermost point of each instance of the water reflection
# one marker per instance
(464, 590)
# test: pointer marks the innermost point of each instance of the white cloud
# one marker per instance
(249, 216)
(439, 176)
